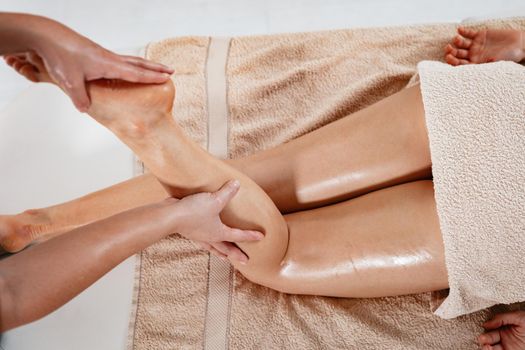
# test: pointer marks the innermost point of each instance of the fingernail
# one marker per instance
(165, 75)
(236, 183)
(257, 235)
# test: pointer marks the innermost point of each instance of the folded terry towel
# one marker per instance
(280, 87)
(476, 124)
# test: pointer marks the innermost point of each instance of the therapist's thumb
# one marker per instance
(75, 88)
(226, 193)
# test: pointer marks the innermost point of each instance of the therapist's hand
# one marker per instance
(198, 220)
(72, 59)
(505, 331)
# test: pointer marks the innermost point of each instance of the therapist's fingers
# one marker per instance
(18, 64)
(202, 245)
(30, 72)
(212, 250)
(223, 195)
(231, 251)
(237, 235)
(218, 254)
(135, 74)
(9, 60)
(143, 63)
(224, 250)
(21, 66)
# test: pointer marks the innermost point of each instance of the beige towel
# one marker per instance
(281, 87)
(476, 124)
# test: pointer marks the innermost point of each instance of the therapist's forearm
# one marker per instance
(40, 279)
(21, 32)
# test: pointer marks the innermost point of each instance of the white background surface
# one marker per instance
(50, 153)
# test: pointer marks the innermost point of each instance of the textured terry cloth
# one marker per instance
(475, 118)
(281, 87)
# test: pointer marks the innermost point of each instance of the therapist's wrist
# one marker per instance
(37, 33)
(43, 34)
(167, 213)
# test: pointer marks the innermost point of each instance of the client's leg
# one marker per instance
(383, 243)
(382, 145)
(141, 117)
(17, 231)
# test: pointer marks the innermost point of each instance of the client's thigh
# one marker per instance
(379, 146)
(384, 243)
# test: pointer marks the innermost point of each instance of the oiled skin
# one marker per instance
(40, 279)
(400, 248)
(386, 242)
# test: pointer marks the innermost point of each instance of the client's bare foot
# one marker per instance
(130, 108)
(485, 45)
(18, 231)
(121, 106)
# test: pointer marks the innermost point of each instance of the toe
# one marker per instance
(489, 338)
(449, 49)
(462, 42)
(458, 53)
(451, 59)
(467, 32)
(461, 53)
